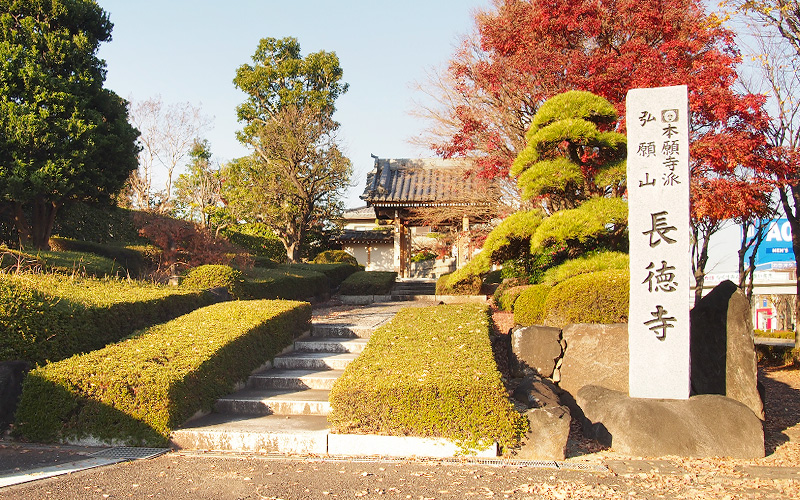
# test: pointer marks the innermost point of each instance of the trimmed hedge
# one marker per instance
(97, 222)
(78, 263)
(368, 283)
(509, 296)
(284, 282)
(529, 308)
(214, 276)
(601, 297)
(337, 273)
(129, 260)
(50, 317)
(137, 391)
(430, 372)
(335, 257)
(465, 281)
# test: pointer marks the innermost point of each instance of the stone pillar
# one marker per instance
(660, 255)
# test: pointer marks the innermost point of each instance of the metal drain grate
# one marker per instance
(507, 462)
(579, 466)
(130, 453)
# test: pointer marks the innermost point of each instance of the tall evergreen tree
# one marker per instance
(63, 136)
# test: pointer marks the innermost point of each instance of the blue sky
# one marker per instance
(189, 51)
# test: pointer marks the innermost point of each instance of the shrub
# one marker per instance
(775, 334)
(596, 220)
(429, 372)
(336, 273)
(467, 280)
(509, 295)
(335, 257)
(258, 239)
(129, 261)
(590, 263)
(600, 297)
(529, 307)
(50, 317)
(423, 255)
(97, 223)
(284, 282)
(368, 283)
(214, 276)
(184, 244)
(137, 391)
(505, 285)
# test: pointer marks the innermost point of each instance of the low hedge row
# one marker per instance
(335, 257)
(530, 306)
(215, 276)
(284, 282)
(596, 297)
(368, 283)
(128, 260)
(137, 391)
(336, 272)
(600, 297)
(73, 262)
(46, 317)
(429, 372)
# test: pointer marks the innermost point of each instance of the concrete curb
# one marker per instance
(399, 446)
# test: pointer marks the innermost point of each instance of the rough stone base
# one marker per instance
(548, 434)
(702, 426)
(536, 350)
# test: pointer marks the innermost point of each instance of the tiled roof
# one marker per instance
(359, 213)
(369, 236)
(423, 182)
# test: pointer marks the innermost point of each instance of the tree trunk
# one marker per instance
(37, 232)
(23, 227)
(700, 260)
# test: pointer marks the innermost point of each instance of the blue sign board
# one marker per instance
(776, 249)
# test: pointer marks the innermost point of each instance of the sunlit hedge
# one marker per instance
(137, 391)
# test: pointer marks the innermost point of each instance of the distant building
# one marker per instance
(405, 199)
(775, 277)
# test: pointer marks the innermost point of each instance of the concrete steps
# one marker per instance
(294, 379)
(413, 289)
(283, 409)
(275, 402)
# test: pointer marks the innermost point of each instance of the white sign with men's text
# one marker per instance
(660, 259)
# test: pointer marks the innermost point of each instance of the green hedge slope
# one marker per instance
(51, 317)
(431, 373)
(135, 392)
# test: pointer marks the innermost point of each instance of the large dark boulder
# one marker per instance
(722, 351)
(536, 392)
(12, 374)
(536, 349)
(595, 355)
(701, 426)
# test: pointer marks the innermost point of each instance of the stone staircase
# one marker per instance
(413, 289)
(283, 409)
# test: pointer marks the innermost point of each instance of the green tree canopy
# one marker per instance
(572, 152)
(297, 172)
(63, 137)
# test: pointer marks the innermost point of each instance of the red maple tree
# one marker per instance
(526, 51)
